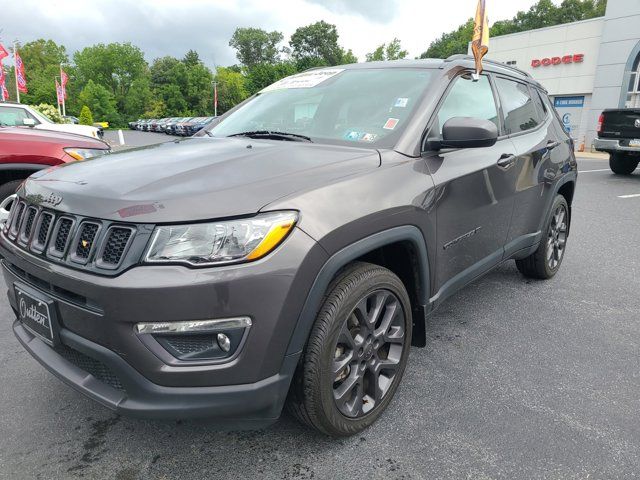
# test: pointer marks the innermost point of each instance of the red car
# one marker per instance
(24, 151)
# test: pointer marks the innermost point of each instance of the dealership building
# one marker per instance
(586, 66)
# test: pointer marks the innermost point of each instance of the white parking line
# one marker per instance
(634, 195)
(599, 170)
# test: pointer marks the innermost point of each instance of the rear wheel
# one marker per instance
(9, 188)
(545, 262)
(623, 163)
(356, 353)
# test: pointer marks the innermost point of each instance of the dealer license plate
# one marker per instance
(35, 313)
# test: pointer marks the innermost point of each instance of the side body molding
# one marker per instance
(408, 233)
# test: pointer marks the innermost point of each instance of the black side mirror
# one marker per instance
(467, 132)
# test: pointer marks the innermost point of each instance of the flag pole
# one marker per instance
(64, 91)
(215, 99)
(15, 70)
(55, 83)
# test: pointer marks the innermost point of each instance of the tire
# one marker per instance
(545, 262)
(369, 357)
(622, 163)
(9, 188)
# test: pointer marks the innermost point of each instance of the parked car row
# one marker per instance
(183, 126)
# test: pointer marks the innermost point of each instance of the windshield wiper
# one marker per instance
(274, 135)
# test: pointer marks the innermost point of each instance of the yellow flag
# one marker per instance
(480, 43)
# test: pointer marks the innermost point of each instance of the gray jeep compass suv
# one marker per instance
(292, 251)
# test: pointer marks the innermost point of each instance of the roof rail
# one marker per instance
(462, 56)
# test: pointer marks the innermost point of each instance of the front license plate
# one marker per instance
(634, 143)
(35, 313)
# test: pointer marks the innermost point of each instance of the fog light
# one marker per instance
(223, 342)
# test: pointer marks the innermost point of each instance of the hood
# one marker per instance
(64, 139)
(86, 130)
(194, 179)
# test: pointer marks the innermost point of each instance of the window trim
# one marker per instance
(529, 86)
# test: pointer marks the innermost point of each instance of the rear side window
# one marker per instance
(13, 116)
(537, 99)
(518, 108)
(467, 98)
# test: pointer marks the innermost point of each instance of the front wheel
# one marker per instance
(356, 353)
(622, 163)
(545, 262)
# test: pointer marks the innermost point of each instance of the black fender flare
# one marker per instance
(409, 233)
(571, 176)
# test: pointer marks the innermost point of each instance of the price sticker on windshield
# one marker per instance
(304, 80)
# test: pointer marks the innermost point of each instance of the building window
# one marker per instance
(633, 91)
(511, 62)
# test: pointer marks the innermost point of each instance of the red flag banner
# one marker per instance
(64, 78)
(59, 92)
(4, 93)
(21, 79)
(3, 52)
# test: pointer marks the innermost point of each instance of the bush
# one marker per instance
(85, 116)
(49, 111)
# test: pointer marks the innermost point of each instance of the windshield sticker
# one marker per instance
(304, 80)
(391, 123)
(353, 136)
(369, 137)
(401, 102)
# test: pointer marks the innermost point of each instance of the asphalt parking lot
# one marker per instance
(520, 379)
(135, 138)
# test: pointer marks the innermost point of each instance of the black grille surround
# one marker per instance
(101, 246)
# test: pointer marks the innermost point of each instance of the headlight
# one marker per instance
(84, 153)
(219, 243)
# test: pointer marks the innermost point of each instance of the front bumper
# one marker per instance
(613, 145)
(97, 315)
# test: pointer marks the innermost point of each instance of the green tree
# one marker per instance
(317, 45)
(115, 66)
(42, 59)
(138, 99)
(392, 51)
(265, 74)
(231, 89)
(101, 103)
(255, 46)
(85, 116)
(542, 14)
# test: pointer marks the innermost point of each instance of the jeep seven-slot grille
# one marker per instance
(28, 224)
(77, 241)
(85, 240)
(116, 244)
(43, 231)
(62, 234)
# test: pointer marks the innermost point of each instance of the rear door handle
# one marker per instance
(506, 160)
(551, 144)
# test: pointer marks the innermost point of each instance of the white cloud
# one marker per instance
(167, 27)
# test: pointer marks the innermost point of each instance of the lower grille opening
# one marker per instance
(90, 365)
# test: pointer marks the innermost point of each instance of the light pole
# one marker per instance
(215, 99)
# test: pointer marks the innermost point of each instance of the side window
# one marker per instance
(13, 116)
(467, 98)
(519, 110)
(537, 99)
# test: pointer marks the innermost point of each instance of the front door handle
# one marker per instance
(506, 160)
(552, 144)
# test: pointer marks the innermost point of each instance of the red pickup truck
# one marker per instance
(24, 151)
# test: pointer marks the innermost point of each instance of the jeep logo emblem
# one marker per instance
(53, 199)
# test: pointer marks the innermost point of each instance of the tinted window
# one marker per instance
(537, 99)
(519, 110)
(467, 98)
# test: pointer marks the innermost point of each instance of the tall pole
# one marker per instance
(64, 92)
(215, 99)
(57, 95)
(15, 70)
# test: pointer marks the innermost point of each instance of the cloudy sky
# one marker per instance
(171, 27)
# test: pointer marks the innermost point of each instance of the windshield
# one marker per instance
(360, 106)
